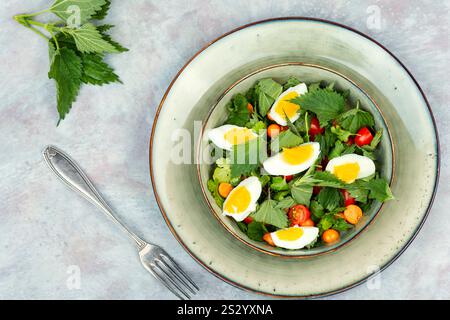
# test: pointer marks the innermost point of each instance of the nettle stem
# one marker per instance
(27, 21)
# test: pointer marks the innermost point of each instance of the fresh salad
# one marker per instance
(296, 163)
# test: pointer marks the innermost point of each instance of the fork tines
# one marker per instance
(166, 270)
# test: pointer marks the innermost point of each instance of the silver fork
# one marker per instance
(153, 258)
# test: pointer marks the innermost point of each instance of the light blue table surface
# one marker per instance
(46, 230)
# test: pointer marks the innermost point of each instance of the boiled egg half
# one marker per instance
(242, 199)
(294, 237)
(350, 167)
(226, 136)
(283, 106)
(292, 160)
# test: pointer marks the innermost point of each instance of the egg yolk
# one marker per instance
(347, 172)
(285, 107)
(298, 155)
(290, 234)
(238, 200)
(239, 135)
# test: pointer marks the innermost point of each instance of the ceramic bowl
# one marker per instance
(253, 50)
(308, 73)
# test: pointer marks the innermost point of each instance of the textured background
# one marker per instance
(45, 228)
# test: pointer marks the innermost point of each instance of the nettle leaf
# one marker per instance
(330, 198)
(302, 193)
(77, 11)
(285, 203)
(97, 72)
(355, 119)
(326, 104)
(256, 230)
(239, 114)
(379, 190)
(103, 12)
(89, 40)
(292, 82)
(246, 157)
(267, 91)
(66, 70)
(286, 139)
(269, 214)
(105, 28)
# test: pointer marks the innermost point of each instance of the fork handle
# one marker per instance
(73, 176)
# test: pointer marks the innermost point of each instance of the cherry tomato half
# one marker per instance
(330, 236)
(268, 238)
(307, 223)
(298, 214)
(348, 199)
(315, 127)
(250, 108)
(363, 137)
(288, 178)
(248, 220)
(273, 130)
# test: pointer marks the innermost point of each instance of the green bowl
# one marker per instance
(313, 50)
(308, 73)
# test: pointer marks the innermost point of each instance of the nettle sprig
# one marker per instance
(77, 46)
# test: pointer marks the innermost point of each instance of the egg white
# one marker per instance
(276, 166)
(309, 235)
(216, 135)
(253, 185)
(366, 165)
(299, 89)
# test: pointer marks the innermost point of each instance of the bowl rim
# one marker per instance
(346, 287)
(205, 191)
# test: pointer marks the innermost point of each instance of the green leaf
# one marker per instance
(89, 40)
(279, 184)
(327, 105)
(292, 82)
(379, 190)
(239, 115)
(355, 119)
(358, 191)
(71, 10)
(222, 174)
(302, 193)
(285, 203)
(326, 141)
(66, 70)
(243, 226)
(269, 214)
(256, 230)
(246, 157)
(375, 141)
(285, 139)
(291, 126)
(102, 13)
(337, 150)
(264, 179)
(316, 209)
(267, 91)
(341, 225)
(213, 187)
(279, 196)
(326, 179)
(341, 134)
(329, 198)
(326, 222)
(103, 29)
(97, 72)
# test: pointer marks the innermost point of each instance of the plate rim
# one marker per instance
(347, 287)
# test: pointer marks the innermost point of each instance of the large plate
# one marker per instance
(200, 84)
